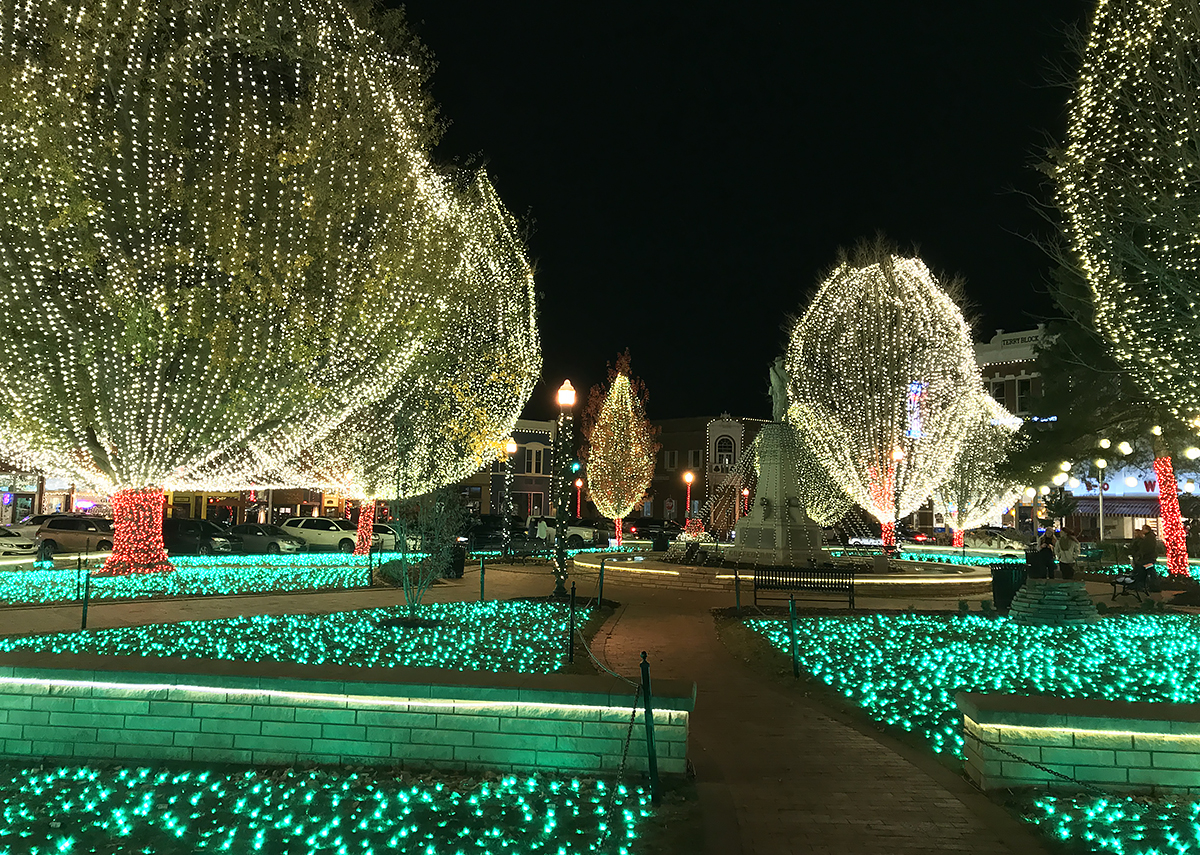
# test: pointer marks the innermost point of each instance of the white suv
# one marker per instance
(324, 533)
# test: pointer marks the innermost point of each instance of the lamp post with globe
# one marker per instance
(560, 486)
(688, 478)
(506, 504)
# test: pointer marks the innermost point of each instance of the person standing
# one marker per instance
(1066, 550)
(1041, 563)
(1145, 555)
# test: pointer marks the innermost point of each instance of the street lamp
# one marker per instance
(506, 505)
(688, 478)
(745, 501)
(1101, 464)
(897, 456)
(578, 497)
(560, 485)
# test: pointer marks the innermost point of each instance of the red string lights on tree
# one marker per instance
(366, 526)
(137, 533)
(1168, 509)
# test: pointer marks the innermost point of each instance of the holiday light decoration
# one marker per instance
(312, 812)
(1124, 182)
(1119, 824)
(904, 670)
(222, 236)
(882, 381)
(494, 636)
(620, 453)
(973, 492)
(1174, 534)
(823, 499)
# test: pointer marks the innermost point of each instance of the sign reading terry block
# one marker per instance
(277, 713)
(1130, 747)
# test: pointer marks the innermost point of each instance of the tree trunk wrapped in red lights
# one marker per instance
(1168, 508)
(137, 533)
(366, 526)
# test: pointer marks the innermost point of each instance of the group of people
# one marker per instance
(1061, 549)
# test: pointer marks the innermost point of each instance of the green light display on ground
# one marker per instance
(496, 636)
(904, 670)
(952, 558)
(1122, 825)
(75, 809)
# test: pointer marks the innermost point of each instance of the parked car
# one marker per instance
(582, 533)
(386, 539)
(996, 537)
(262, 538)
(76, 534)
(644, 528)
(12, 543)
(198, 537)
(29, 524)
(324, 533)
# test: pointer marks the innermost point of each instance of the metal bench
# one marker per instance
(824, 580)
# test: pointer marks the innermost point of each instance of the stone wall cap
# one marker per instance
(1046, 710)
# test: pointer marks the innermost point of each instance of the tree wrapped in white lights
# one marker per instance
(882, 378)
(620, 446)
(975, 491)
(1126, 180)
(220, 228)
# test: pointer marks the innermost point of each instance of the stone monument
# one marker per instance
(777, 532)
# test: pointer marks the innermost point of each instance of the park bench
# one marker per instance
(786, 580)
(1136, 582)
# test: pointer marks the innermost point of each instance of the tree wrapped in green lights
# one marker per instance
(619, 445)
(220, 228)
(883, 380)
(1125, 182)
(975, 490)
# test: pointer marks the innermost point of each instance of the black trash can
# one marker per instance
(660, 542)
(458, 563)
(1007, 579)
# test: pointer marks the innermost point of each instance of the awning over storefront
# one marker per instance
(1119, 506)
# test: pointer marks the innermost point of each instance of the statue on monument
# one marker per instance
(779, 390)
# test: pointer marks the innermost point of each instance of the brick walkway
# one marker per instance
(776, 772)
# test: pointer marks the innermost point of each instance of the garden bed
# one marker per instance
(904, 670)
(525, 637)
(111, 809)
(1121, 825)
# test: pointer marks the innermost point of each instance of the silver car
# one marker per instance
(12, 543)
(271, 539)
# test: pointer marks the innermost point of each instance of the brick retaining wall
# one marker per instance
(281, 714)
(1128, 747)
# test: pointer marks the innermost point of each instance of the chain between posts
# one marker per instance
(1042, 768)
(612, 802)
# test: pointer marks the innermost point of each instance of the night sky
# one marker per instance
(689, 170)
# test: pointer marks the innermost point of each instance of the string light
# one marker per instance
(904, 670)
(1121, 824)
(883, 382)
(620, 453)
(1123, 186)
(80, 808)
(237, 241)
(495, 636)
(974, 492)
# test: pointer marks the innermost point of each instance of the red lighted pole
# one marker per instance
(578, 497)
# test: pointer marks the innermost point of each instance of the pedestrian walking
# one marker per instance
(1066, 550)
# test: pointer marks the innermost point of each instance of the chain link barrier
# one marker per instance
(1042, 768)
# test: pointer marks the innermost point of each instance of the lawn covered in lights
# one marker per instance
(524, 637)
(194, 576)
(72, 809)
(904, 670)
(1122, 825)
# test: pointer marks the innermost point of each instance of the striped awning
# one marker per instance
(1119, 506)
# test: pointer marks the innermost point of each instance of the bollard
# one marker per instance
(792, 633)
(600, 594)
(78, 576)
(651, 753)
(737, 591)
(481, 596)
(571, 628)
(87, 589)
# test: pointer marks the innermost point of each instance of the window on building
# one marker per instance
(537, 462)
(1024, 393)
(725, 451)
(528, 460)
(693, 460)
(672, 460)
(998, 392)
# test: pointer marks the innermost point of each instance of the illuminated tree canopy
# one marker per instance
(220, 228)
(882, 377)
(1126, 187)
(620, 445)
(974, 490)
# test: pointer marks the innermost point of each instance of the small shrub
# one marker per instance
(985, 606)
(963, 607)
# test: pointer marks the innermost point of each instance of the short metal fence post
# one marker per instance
(600, 595)
(792, 633)
(87, 590)
(737, 591)
(78, 577)
(481, 570)
(571, 628)
(651, 752)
